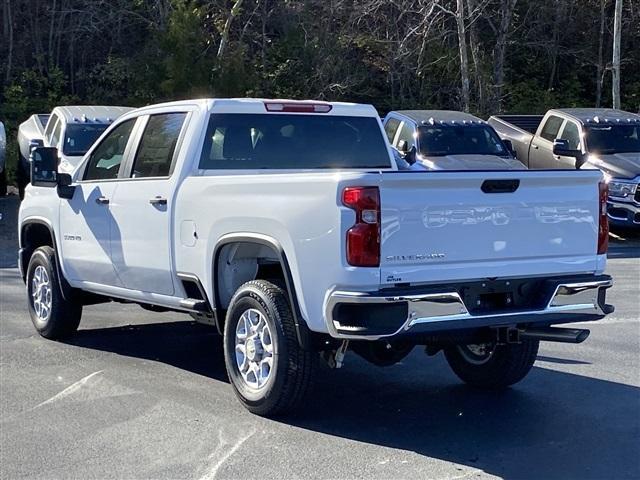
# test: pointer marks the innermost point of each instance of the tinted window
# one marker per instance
(406, 134)
(390, 128)
(613, 139)
(283, 141)
(571, 134)
(157, 146)
(79, 137)
(460, 140)
(105, 160)
(551, 128)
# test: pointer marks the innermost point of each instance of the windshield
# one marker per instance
(79, 138)
(296, 141)
(613, 139)
(440, 140)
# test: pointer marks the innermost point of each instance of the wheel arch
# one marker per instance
(34, 233)
(276, 249)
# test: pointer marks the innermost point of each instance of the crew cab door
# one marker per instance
(85, 219)
(141, 220)
(541, 150)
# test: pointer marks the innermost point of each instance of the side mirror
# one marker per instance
(44, 166)
(410, 156)
(561, 148)
(510, 149)
(403, 147)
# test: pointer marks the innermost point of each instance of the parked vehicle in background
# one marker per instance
(287, 225)
(3, 161)
(70, 129)
(448, 140)
(601, 138)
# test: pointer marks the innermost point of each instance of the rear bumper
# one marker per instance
(623, 214)
(375, 315)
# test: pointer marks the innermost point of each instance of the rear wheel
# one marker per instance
(269, 371)
(52, 315)
(490, 365)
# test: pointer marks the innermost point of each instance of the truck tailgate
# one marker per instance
(445, 226)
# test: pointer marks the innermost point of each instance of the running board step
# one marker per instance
(195, 305)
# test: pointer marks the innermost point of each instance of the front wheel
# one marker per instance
(269, 372)
(53, 316)
(490, 365)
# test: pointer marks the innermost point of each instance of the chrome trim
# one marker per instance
(579, 297)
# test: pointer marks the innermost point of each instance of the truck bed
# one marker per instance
(519, 129)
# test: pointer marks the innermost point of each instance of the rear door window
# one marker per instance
(290, 141)
(551, 128)
(157, 146)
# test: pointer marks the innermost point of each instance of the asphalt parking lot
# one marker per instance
(143, 395)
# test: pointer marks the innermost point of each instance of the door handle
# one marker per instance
(158, 201)
(102, 200)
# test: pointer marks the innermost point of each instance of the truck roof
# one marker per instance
(92, 113)
(425, 116)
(589, 115)
(257, 105)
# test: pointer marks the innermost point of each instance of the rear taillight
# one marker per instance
(363, 239)
(603, 221)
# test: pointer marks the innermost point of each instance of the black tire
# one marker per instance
(63, 316)
(3, 182)
(292, 371)
(506, 365)
(23, 175)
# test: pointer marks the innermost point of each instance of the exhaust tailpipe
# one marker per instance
(563, 335)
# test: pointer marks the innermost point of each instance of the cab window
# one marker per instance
(390, 128)
(407, 134)
(157, 146)
(53, 121)
(55, 136)
(104, 162)
(551, 128)
(571, 134)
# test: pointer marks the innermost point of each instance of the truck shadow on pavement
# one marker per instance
(551, 425)
(185, 345)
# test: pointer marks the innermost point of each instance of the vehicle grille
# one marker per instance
(637, 196)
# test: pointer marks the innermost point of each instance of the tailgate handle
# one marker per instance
(500, 186)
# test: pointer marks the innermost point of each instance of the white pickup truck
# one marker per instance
(71, 129)
(287, 225)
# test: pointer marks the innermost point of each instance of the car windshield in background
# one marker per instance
(608, 139)
(441, 140)
(293, 141)
(79, 138)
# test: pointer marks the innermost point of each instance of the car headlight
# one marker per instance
(621, 189)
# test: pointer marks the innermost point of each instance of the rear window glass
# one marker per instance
(79, 138)
(282, 141)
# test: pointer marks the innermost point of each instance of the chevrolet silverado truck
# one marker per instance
(448, 140)
(288, 226)
(586, 138)
(71, 129)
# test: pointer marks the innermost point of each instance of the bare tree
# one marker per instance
(600, 69)
(617, 31)
(506, 12)
(235, 10)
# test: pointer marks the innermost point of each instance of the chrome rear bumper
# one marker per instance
(446, 310)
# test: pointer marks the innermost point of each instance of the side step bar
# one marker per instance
(195, 305)
(563, 335)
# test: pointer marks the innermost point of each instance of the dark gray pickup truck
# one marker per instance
(605, 139)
